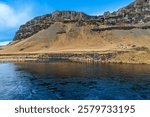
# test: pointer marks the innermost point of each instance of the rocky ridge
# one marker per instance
(137, 12)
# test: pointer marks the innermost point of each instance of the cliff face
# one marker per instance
(43, 22)
(135, 13)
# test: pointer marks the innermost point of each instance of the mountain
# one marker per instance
(127, 29)
(136, 12)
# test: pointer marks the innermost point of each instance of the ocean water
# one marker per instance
(62, 80)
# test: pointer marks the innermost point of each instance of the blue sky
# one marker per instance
(13, 13)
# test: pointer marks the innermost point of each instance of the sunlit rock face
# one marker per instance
(43, 22)
(142, 2)
(135, 13)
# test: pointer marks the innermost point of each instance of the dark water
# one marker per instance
(66, 80)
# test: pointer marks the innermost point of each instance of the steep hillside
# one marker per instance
(127, 29)
(136, 12)
(69, 37)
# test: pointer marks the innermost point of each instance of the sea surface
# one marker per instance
(62, 80)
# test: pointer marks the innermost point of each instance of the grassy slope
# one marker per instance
(81, 40)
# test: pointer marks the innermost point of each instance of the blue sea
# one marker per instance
(63, 80)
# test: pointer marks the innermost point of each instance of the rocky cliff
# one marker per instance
(45, 21)
(135, 13)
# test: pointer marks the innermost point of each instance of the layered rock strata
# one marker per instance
(137, 12)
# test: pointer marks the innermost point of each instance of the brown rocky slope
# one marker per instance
(123, 34)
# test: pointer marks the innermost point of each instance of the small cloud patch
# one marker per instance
(10, 18)
(4, 43)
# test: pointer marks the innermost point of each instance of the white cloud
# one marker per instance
(4, 43)
(10, 18)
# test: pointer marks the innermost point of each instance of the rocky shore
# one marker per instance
(133, 57)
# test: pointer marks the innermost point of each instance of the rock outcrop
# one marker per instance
(135, 13)
(45, 21)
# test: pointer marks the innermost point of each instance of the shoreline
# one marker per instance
(119, 57)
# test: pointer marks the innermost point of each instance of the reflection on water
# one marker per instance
(67, 80)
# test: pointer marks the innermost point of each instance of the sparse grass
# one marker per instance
(142, 48)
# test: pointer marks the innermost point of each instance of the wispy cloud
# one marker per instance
(11, 18)
(4, 43)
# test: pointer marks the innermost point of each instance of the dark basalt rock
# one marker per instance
(43, 22)
(120, 28)
(134, 13)
(69, 16)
